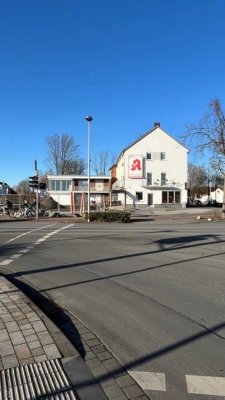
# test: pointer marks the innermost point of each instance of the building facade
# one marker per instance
(72, 191)
(151, 172)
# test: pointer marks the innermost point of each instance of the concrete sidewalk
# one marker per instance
(37, 361)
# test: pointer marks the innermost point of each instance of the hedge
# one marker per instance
(109, 216)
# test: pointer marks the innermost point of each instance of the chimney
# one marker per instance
(156, 124)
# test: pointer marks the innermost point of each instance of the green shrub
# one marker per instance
(109, 216)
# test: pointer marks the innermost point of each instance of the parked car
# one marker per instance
(197, 203)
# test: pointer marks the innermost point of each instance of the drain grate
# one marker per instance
(44, 380)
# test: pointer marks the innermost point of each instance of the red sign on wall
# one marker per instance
(135, 166)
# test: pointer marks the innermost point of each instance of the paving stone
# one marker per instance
(12, 327)
(111, 364)
(125, 380)
(10, 361)
(7, 318)
(17, 338)
(51, 351)
(16, 313)
(98, 349)
(19, 317)
(133, 391)
(4, 335)
(107, 381)
(88, 336)
(141, 398)
(114, 392)
(24, 327)
(22, 351)
(94, 363)
(39, 326)
(40, 358)
(6, 348)
(31, 338)
(99, 372)
(104, 355)
(83, 330)
(37, 352)
(45, 338)
(93, 342)
(28, 332)
(34, 345)
(23, 322)
(2, 325)
(27, 361)
(14, 297)
(89, 355)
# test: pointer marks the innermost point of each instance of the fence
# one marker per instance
(16, 199)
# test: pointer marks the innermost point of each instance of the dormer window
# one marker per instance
(148, 156)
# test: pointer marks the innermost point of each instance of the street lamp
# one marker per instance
(89, 119)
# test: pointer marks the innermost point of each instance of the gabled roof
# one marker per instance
(142, 137)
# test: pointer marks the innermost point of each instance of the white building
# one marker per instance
(152, 171)
(216, 194)
(72, 190)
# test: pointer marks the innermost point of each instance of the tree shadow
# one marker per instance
(185, 240)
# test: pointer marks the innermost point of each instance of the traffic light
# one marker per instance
(33, 182)
(42, 186)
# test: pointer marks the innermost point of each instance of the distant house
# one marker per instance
(151, 172)
(6, 189)
(213, 194)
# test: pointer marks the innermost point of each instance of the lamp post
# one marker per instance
(89, 119)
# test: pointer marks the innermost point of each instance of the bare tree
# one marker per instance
(197, 177)
(76, 167)
(100, 163)
(62, 153)
(22, 187)
(209, 135)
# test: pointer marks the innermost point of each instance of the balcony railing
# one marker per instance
(119, 184)
(93, 188)
(160, 183)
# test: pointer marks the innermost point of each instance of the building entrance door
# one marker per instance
(150, 199)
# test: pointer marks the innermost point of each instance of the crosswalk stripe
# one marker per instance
(208, 385)
(150, 380)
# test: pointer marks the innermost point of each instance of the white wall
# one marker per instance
(175, 166)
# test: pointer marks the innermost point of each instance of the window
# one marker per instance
(149, 179)
(164, 197)
(171, 197)
(177, 197)
(139, 196)
(149, 156)
(162, 156)
(57, 185)
(163, 178)
(60, 185)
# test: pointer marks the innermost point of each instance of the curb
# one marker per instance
(82, 380)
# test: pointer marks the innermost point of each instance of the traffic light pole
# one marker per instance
(36, 172)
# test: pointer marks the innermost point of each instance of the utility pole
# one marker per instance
(36, 172)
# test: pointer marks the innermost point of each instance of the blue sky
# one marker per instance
(128, 63)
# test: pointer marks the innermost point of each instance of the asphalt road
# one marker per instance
(154, 294)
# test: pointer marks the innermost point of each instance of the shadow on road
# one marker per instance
(53, 311)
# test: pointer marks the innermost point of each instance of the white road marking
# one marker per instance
(150, 380)
(208, 385)
(6, 262)
(14, 256)
(27, 233)
(30, 247)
